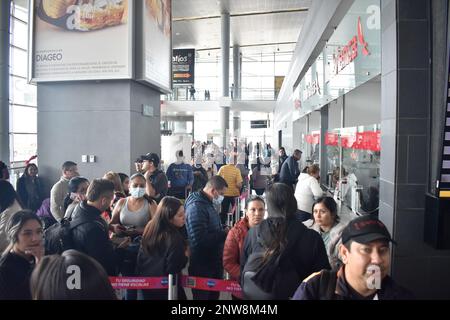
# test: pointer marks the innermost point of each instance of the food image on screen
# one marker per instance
(156, 10)
(83, 15)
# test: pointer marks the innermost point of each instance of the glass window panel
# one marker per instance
(19, 36)
(23, 119)
(22, 93)
(20, 10)
(19, 62)
(23, 146)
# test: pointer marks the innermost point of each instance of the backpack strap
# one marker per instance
(327, 284)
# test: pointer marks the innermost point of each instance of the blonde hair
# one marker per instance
(114, 178)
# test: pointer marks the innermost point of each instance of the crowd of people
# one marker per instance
(289, 242)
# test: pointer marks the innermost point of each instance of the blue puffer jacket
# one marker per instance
(205, 232)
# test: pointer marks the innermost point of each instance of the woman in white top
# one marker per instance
(308, 188)
(9, 205)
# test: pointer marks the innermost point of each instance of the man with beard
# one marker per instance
(91, 237)
(365, 254)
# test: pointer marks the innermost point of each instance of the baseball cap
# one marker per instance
(365, 229)
(153, 157)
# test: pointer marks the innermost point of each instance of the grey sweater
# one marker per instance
(57, 195)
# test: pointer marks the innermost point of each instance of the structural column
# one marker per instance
(237, 124)
(4, 80)
(405, 151)
(225, 49)
(237, 72)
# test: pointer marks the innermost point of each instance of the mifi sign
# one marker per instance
(347, 54)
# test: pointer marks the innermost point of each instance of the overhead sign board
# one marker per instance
(154, 43)
(81, 40)
(351, 57)
(183, 64)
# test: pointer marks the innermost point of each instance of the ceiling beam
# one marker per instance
(244, 14)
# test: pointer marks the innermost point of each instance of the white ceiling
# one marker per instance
(198, 31)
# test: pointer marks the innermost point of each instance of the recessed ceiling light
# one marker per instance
(177, 34)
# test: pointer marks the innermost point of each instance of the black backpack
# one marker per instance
(286, 279)
(58, 237)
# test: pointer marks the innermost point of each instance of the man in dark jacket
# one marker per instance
(290, 169)
(206, 235)
(282, 158)
(366, 256)
(157, 183)
(91, 237)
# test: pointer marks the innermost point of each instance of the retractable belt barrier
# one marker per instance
(199, 283)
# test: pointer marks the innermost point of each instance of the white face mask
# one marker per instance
(218, 200)
(137, 192)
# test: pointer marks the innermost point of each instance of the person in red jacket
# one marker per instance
(255, 209)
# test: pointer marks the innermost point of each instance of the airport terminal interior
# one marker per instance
(161, 143)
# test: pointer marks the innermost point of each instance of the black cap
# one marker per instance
(365, 229)
(153, 157)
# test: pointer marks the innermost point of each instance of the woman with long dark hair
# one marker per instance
(29, 188)
(50, 278)
(280, 251)
(25, 250)
(326, 223)
(163, 250)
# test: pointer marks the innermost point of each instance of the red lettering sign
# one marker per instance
(331, 139)
(346, 55)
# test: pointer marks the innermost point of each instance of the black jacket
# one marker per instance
(30, 201)
(305, 252)
(311, 289)
(92, 237)
(15, 274)
(205, 231)
(289, 171)
(169, 259)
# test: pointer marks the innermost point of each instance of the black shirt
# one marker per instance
(15, 274)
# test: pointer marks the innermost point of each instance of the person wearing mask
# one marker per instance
(129, 218)
(59, 189)
(206, 234)
(77, 189)
(308, 189)
(163, 250)
(234, 244)
(200, 175)
(280, 251)
(29, 188)
(125, 180)
(180, 177)
(366, 258)
(9, 205)
(91, 237)
(49, 283)
(25, 250)
(157, 183)
(233, 177)
(131, 214)
(326, 223)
